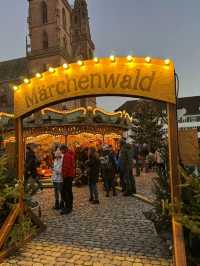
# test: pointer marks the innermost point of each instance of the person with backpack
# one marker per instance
(109, 167)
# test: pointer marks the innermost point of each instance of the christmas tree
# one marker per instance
(148, 124)
(190, 215)
(160, 215)
(8, 190)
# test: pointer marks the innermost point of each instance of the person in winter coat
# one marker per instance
(93, 165)
(68, 174)
(121, 167)
(109, 168)
(57, 179)
(126, 156)
(31, 164)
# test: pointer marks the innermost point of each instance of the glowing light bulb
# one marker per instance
(112, 58)
(148, 59)
(80, 63)
(15, 88)
(51, 70)
(167, 61)
(26, 81)
(38, 75)
(65, 66)
(129, 58)
(96, 60)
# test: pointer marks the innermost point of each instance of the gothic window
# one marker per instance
(65, 42)
(64, 19)
(45, 40)
(44, 12)
(83, 14)
(75, 20)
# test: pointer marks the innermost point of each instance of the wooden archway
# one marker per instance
(135, 77)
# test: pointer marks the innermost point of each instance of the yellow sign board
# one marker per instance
(153, 79)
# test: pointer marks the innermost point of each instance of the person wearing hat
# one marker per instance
(57, 178)
(68, 174)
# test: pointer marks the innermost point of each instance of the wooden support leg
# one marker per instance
(178, 238)
(20, 159)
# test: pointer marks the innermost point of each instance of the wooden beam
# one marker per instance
(20, 158)
(177, 230)
(8, 224)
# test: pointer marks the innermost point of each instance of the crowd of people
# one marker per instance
(94, 163)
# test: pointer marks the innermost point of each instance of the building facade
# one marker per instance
(58, 33)
(188, 111)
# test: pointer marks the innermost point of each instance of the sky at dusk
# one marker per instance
(158, 28)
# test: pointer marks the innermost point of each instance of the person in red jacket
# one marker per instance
(68, 173)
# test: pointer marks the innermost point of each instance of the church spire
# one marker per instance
(83, 46)
(80, 3)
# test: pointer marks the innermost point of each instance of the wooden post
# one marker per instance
(20, 159)
(178, 238)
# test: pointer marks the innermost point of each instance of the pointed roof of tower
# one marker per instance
(78, 3)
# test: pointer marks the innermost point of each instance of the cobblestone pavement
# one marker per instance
(144, 184)
(112, 233)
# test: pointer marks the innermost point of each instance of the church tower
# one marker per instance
(49, 34)
(82, 44)
(58, 33)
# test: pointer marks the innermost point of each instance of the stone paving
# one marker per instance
(144, 184)
(112, 233)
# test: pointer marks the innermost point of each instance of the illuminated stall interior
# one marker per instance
(79, 128)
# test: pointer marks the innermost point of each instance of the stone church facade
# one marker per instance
(58, 33)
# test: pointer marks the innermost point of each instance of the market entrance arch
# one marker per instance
(124, 76)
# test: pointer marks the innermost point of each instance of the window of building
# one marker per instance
(45, 40)
(44, 12)
(193, 119)
(188, 119)
(64, 19)
(75, 19)
(83, 14)
(65, 42)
